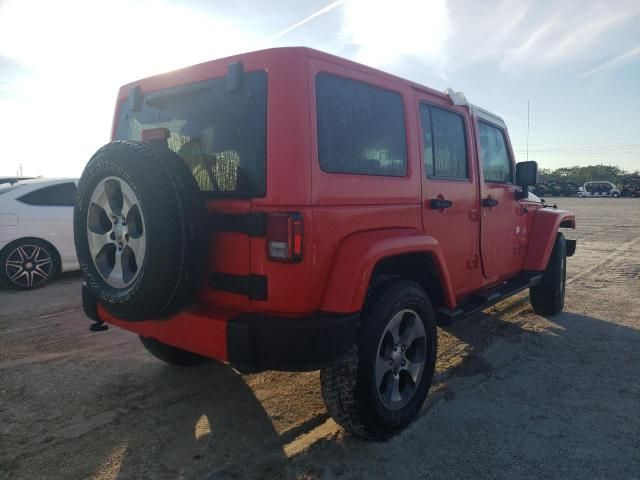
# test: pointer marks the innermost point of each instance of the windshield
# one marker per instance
(7, 187)
(220, 134)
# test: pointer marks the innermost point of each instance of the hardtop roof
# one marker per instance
(456, 98)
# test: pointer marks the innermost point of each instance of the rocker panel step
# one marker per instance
(486, 298)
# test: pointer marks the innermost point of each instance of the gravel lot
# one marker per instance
(516, 395)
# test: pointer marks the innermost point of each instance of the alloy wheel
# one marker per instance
(116, 232)
(401, 359)
(29, 266)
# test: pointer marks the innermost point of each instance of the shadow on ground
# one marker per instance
(509, 401)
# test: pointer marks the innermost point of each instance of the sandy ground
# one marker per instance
(516, 395)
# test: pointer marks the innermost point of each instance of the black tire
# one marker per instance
(174, 226)
(172, 355)
(28, 263)
(349, 388)
(547, 298)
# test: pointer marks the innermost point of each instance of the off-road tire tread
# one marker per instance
(547, 298)
(343, 384)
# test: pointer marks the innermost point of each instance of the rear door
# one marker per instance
(450, 188)
(502, 217)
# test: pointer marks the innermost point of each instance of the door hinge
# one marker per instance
(520, 247)
(474, 215)
(472, 262)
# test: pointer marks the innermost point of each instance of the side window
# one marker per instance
(361, 128)
(496, 165)
(445, 146)
(62, 195)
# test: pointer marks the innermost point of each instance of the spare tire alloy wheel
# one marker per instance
(28, 265)
(139, 227)
(116, 232)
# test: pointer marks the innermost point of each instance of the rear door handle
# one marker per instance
(440, 203)
(489, 202)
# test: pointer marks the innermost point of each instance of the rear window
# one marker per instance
(62, 195)
(361, 128)
(221, 135)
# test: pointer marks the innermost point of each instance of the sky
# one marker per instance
(577, 63)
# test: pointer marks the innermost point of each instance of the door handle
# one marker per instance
(440, 203)
(489, 202)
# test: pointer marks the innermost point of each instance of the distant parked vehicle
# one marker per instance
(4, 180)
(564, 189)
(36, 231)
(541, 189)
(630, 187)
(599, 189)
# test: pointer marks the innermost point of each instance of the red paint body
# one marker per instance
(351, 222)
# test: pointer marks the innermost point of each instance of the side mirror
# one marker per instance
(526, 175)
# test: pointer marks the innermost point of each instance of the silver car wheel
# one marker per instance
(116, 232)
(401, 358)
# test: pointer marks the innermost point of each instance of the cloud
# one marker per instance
(307, 19)
(537, 35)
(384, 32)
(626, 57)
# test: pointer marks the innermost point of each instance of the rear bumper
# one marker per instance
(256, 343)
(249, 342)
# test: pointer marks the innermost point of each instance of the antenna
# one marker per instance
(528, 130)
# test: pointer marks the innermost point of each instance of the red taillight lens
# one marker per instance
(284, 237)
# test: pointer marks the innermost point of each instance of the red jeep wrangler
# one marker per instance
(290, 210)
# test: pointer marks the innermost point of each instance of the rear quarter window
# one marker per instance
(361, 128)
(61, 195)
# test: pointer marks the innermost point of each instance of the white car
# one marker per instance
(36, 231)
(598, 189)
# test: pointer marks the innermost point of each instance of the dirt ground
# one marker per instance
(516, 395)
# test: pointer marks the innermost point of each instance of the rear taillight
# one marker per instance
(284, 237)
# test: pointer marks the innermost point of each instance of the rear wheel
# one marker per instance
(172, 355)
(380, 386)
(547, 298)
(28, 263)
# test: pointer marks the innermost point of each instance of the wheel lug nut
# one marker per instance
(114, 219)
(404, 362)
(391, 363)
(403, 348)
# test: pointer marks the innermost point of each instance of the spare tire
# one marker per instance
(139, 228)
